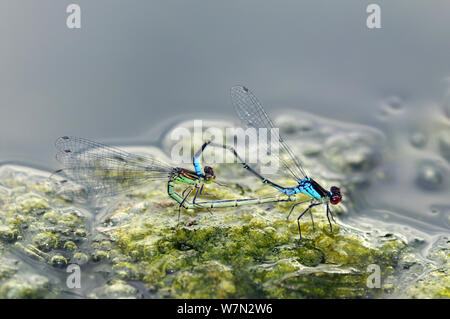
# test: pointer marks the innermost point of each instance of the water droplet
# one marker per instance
(391, 105)
(418, 139)
(395, 103)
(430, 176)
(434, 211)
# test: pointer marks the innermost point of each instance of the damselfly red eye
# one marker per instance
(335, 200)
(336, 196)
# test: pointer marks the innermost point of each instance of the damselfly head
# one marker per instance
(335, 195)
(210, 176)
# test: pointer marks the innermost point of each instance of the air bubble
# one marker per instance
(391, 105)
(395, 103)
(430, 176)
(418, 140)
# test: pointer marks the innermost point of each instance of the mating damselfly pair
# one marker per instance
(105, 170)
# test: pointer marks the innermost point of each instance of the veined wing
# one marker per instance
(252, 114)
(106, 170)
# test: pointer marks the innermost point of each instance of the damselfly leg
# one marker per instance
(328, 217)
(301, 215)
(189, 190)
(199, 191)
(312, 220)
(295, 205)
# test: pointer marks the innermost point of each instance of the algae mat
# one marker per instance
(132, 245)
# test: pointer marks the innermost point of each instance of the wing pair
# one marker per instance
(107, 170)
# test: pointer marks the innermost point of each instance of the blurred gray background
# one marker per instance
(134, 65)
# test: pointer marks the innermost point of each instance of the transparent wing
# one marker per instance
(252, 114)
(106, 170)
